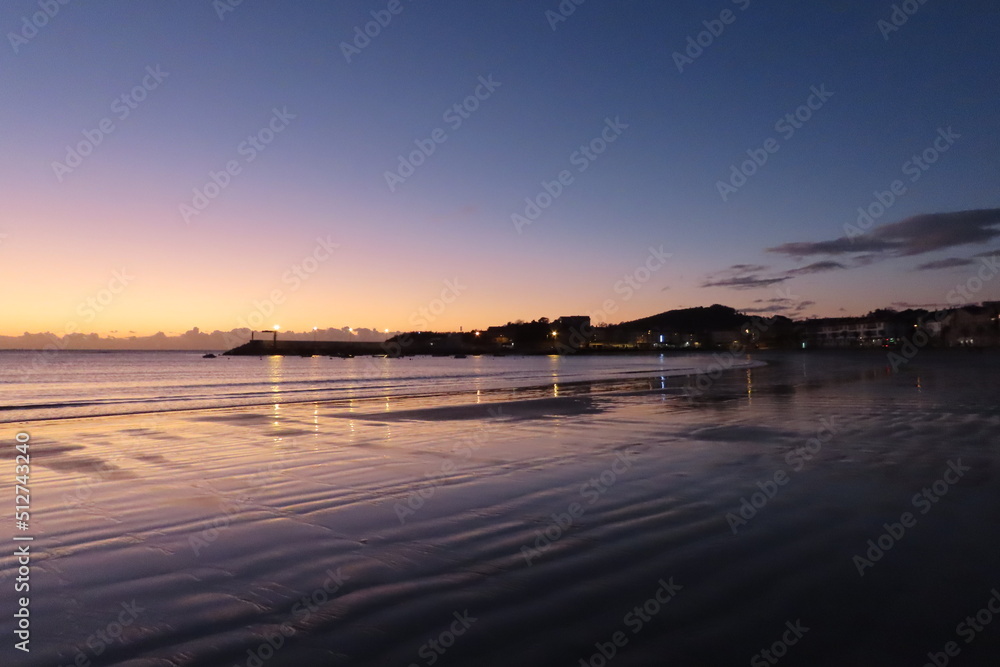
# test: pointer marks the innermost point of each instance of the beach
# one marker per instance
(807, 509)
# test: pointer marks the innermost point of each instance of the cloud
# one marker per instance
(906, 305)
(744, 282)
(752, 276)
(816, 267)
(779, 305)
(743, 276)
(949, 263)
(916, 235)
(841, 246)
(771, 309)
(912, 236)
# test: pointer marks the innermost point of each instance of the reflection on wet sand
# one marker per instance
(389, 522)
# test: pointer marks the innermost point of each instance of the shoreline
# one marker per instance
(632, 381)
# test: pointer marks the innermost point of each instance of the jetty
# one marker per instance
(305, 348)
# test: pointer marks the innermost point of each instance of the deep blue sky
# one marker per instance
(324, 174)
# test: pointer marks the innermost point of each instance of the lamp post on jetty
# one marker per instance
(274, 336)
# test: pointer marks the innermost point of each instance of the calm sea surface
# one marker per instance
(37, 385)
(806, 509)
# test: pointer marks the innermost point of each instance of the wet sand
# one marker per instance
(533, 532)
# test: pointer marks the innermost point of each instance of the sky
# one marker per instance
(190, 163)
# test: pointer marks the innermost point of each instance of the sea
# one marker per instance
(57, 385)
(765, 508)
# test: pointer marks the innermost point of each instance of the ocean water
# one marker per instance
(38, 385)
(805, 509)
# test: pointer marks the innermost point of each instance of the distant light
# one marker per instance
(387, 331)
(315, 328)
(276, 327)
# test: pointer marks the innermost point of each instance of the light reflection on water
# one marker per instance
(695, 460)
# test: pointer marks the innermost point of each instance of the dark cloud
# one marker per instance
(743, 276)
(779, 305)
(752, 276)
(906, 305)
(916, 235)
(949, 263)
(841, 246)
(744, 282)
(772, 309)
(816, 267)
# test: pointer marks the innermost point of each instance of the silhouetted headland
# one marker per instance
(690, 329)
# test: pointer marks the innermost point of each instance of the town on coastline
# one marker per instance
(703, 328)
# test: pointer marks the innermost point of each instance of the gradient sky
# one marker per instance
(64, 235)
